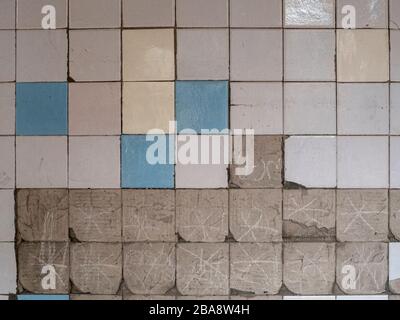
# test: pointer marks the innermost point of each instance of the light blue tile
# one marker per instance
(137, 172)
(202, 105)
(47, 297)
(41, 109)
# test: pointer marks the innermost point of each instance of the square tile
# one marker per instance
(94, 108)
(256, 55)
(363, 298)
(257, 106)
(148, 55)
(148, 215)
(7, 108)
(7, 216)
(303, 64)
(395, 162)
(7, 162)
(256, 267)
(42, 215)
(7, 55)
(83, 15)
(363, 162)
(395, 108)
(149, 268)
(362, 215)
(368, 260)
(146, 161)
(394, 14)
(7, 14)
(309, 268)
(310, 298)
(205, 13)
(42, 55)
(95, 215)
(8, 268)
(310, 108)
(95, 55)
(394, 211)
(197, 61)
(369, 13)
(201, 105)
(362, 56)
(394, 55)
(255, 215)
(256, 13)
(394, 267)
(41, 109)
(268, 159)
(309, 214)
(363, 108)
(202, 161)
(311, 161)
(147, 106)
(94, 162)
(202, 268)
(30, 16)
(202, 215)
(41, 162)
(148, 13)
(309, 13)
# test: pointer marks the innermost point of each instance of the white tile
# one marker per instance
(310, 108)
(7, 162)
(310, 298)
(363, 162)
(311, 161)
(395, 108)
(7, 216)
(395, 162)
(373, 298)
(394, 261)
(8, 268)
(363, 108)
(310, 13)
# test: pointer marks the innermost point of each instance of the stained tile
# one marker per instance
(148, 55)
(370, 263)
(303, 64)
(8, 268)
(309, 268)
(41, 162)
(94, 13)
(211, 260)
(30, 16)
(202, 215)
(257, 106)
(394, 14)
(95, 215)
(148, 13)
(310, 108)
(394, 55)
(7, 55)
(7, 162)
(362, 215)
(7, 14)
(310, 13)
(155, 172)
(394, 211)
(201, 105)
(394, 267)
(395, 162)
(42, 215)
(7, 108)
(41, 109)
(149, 268)
(256, 55)
(94, 162)
(256, 13)
(311, 161)
(369, 13)
(395, 108)
(207, 13)
(41, 55)
(94, 55)
(7, 216)
(148, 106)
(148, 215)
(256, 268)
(363, 162)
(363, 108)
(94, 108)
(255, 215)
(362, 56)
(203, 54)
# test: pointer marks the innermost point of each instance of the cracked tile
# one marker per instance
(394, 218)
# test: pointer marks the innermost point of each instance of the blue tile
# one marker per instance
(137, 172)
(41, 109)
(201, 105)
(47, 297)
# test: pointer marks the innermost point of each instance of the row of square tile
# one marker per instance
(194, 269)
(194, 13)
(201, 215)
(149, 55)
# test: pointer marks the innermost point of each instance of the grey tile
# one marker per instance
(7, 55)
(7, 108)
(94, 13)
(395, 108)
(30, 16)
(7, 14)
(148, 13)
(205, 13)
(369, 13)
(394, 219)
(256, 13)
(394, 14)
(395, 55)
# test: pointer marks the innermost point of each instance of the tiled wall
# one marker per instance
(78, 194)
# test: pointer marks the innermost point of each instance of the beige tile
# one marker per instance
(363, 55)
(147, 105)
(148, 55)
